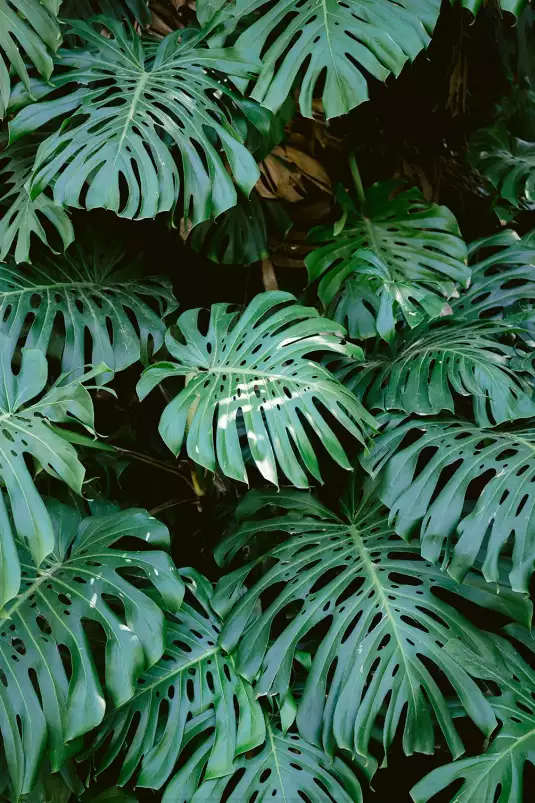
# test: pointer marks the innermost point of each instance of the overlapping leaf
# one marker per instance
(383, 625)
(497, 774)
(255, 368)
(47, 698)
(431, 369)
(26, 414)
(288, 768)
(344, 42)
(28, 30)
(408, 252)
(21, 216)
(138, 108)
(93, 290)
(194, 681)
(467, 492)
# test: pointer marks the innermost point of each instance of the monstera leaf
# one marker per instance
(497, 774)
(137, 10)
(432, 368)
(26, 415)
(287, 768)
(503, 279)
(408, 252)
(255, 369)
(194, 681)
(50, 691)
(21, 215)
(29, 26)
(92, 290)
(344, 42)
(507, 162)
(464, 490)
(383, 627)
(117, 145)
(240, 235)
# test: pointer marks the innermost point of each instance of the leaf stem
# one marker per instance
(356, 178)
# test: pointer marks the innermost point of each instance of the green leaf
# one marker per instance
(255, 368)
(194, 677)
(29, 26)
(374, 601)
(84, 580)
(409, 254)
(496, 774)
(138, 109)
(503, 279)
(21, 216)
(467, 492)
(288, 768)
(94, 292)
(508, 163)
(344, 43)
(240, 235)
(432, 367)
(26, 415)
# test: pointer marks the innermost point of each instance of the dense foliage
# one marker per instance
(267, 401)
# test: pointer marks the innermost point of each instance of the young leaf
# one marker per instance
(383, 625)
(84, 580)
(432, 367)
(255, 367)
(93, 290)
(497, 774)
(430, 475)
(409, 253)
(119, 135)
(288, 768)
(194, 677)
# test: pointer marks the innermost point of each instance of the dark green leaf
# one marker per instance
(84, 579)
(92, 290)
(466, 491)
(383, 624)
(498, 773)
(194, 677)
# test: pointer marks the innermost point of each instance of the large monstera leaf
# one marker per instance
(21, 216)
(28, 30)
(497, 774)
(507, 162)
(254, 369)
(93, 290)
(287, 768)
(26, 415)
(138, 109)
(372, 597)
(194, 681)
(344, 42)
(432, 369)
(409, 254)
(86, 579)
(467, 492)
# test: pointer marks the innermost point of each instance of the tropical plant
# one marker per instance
(337, 197)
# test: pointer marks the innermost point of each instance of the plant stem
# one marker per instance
(356, 178)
